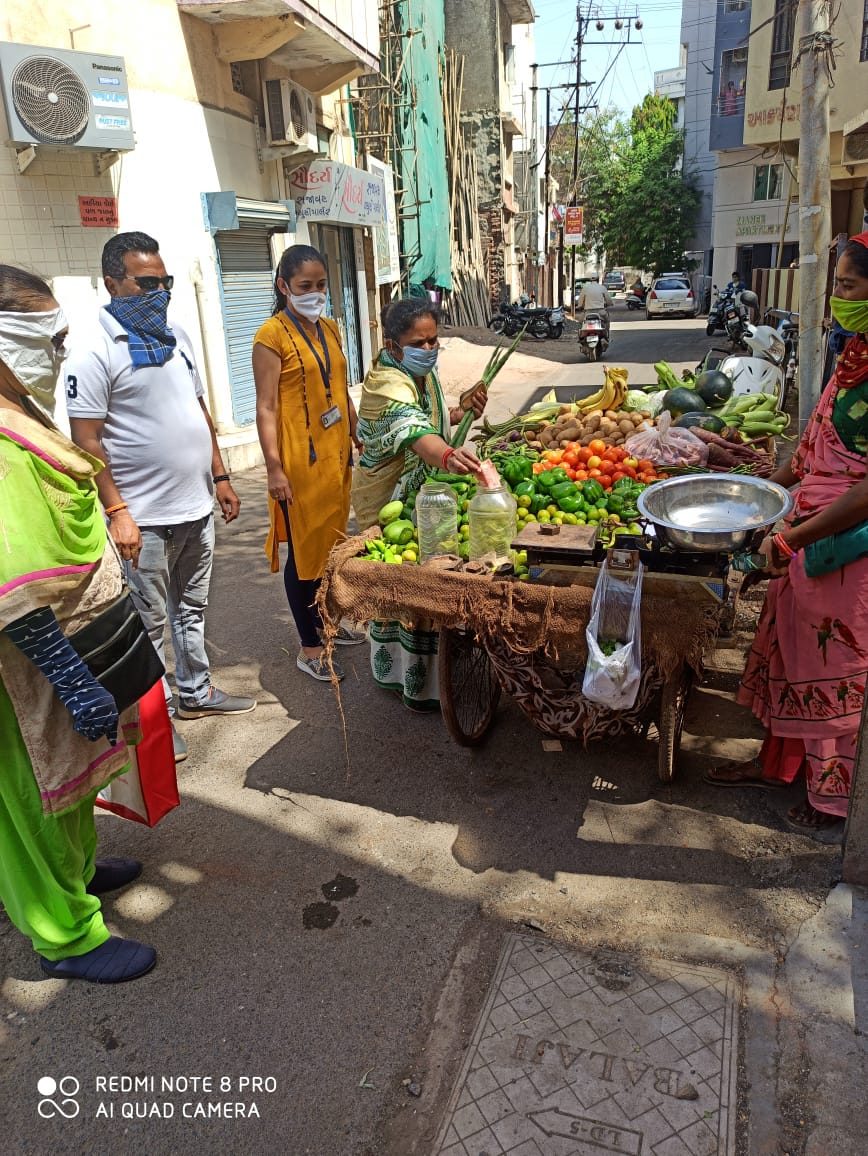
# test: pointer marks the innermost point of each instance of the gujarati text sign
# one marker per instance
(329, 191)
(98, 212)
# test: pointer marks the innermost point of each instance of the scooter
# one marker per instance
(539, 323)
(636, 299)
(594, 336)
(759, 369)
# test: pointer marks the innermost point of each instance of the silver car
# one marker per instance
(670, 297)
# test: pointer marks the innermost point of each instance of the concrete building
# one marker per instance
(528, 170)
(672, 83)
(482, 30)
(772, 117)
(208, 117)
(697, 48)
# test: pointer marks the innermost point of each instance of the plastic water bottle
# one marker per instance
(491, 517)
(436, 520)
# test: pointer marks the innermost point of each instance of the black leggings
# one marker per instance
(301, 594)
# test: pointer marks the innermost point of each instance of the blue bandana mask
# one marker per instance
(418, 362)
(144, 317)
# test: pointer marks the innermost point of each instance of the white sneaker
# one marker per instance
(347, 637)
(318, 668)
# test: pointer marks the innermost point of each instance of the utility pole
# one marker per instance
(549, 289)
(533, 175)
(573, 190)
(815, 60)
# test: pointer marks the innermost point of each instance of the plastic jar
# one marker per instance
(436, 520)
(493, 525)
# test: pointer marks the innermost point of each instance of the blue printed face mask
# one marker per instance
(418, 362)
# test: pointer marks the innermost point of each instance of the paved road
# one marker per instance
(264, 974)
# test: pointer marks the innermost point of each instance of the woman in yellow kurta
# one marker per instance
(307, 424)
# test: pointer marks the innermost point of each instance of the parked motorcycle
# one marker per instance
(636, 298)
(717, 312)
(736, 318)
(594, 336)
(759, 369)
(540, 323)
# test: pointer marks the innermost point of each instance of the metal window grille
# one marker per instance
(863, 52)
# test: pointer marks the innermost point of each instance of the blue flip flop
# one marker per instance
(114, 961)
(113, 873)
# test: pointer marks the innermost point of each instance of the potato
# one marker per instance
(571, 432)
(592, 422)
(586, 439)
(607, 427)
(565, 411)
(626, 426)
(636, 418)
(611, 413)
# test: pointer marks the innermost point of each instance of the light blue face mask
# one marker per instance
(418, 362)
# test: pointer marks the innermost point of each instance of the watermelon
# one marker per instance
(705, 420)
(682, 400)
(713, 387)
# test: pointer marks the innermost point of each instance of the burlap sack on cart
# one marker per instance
(528, 617)
(612, 679)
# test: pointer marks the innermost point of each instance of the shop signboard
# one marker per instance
(327, 191)
(574, 225)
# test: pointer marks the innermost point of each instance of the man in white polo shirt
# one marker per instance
(135, 401)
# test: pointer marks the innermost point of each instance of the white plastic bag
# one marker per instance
(668, 445)
(613, 679)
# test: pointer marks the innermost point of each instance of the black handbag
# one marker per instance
(118, 652)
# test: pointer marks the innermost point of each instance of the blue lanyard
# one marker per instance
(325, 370)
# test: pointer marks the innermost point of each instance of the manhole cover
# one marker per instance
(583, 1053)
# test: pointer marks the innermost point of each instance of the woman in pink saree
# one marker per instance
(806, 672)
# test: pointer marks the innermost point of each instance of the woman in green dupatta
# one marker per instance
(404, 426)
(61, 737)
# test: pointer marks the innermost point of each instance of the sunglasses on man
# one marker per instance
(150, 284)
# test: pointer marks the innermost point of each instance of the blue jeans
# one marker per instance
(171, 585)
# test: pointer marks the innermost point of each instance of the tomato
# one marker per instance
(571, 458)
(597, 446)
(608, 467)
(605, 482)
(538, 467)
(631, 462)
(571, 473)
(618, 474)
(556, 456)
(581, 476)
(647, 478)
(584, 452)
(594, 473)
(644, 466)
(611, 454)
(594, 462)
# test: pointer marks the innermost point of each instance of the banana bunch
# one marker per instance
(611, 396)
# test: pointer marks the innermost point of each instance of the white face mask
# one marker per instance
(309, 305)
(27, 349)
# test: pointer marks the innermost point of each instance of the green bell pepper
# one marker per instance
(517, 470)
(592, 491)
(539, 502)
(570, 504)
(525, 487)
(563, 490)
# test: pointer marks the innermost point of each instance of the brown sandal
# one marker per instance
(746, 774)
(805, 817)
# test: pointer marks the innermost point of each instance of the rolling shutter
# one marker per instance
(247, 280)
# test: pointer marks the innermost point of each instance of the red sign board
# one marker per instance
(573, 225)
(98, 212)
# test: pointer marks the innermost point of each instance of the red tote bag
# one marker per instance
(149, 789)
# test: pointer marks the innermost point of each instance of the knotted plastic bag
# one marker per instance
(667, 445)
(612, 679)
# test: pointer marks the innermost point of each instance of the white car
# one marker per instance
(670, 296)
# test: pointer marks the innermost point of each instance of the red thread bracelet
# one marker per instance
(449, 452)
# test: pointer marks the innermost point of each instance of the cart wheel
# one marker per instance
(673, 704)
(469, 690)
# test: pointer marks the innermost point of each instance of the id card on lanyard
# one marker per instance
(332, 415)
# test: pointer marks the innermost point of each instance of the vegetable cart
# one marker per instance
(528, 638)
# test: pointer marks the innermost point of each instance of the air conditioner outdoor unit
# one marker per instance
(855, 148)
(290, 116)
(65, 99)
